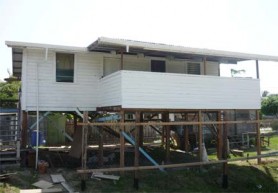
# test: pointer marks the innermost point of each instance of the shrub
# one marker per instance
(274, 125)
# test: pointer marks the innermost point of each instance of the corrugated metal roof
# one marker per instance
(104, 43)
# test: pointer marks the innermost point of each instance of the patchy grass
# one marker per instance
(243, 177)
(24, 179)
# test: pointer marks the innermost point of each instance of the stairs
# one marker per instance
(9, 158)
(9, 140)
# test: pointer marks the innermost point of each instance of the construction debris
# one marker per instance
(67, 187)
(57, 178)
(5, 175)
(43, 184)
(104, 176)
(237, 152)
(41, 190)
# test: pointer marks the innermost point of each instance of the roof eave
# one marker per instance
(104, 41)
(22, 45)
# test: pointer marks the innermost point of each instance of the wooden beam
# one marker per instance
(164, 110)
(172, 123)
(274, 154)
(122, 141)
(258, 136)
(200, 135)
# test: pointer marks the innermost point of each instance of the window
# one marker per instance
(158, 66)
(193, 68)
(64, 67)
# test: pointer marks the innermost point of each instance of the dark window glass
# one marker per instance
(64, 67)
(158, 66)
(193, 68)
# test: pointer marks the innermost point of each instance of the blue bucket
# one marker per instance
(34, 138)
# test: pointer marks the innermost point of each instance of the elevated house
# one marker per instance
(139, 78)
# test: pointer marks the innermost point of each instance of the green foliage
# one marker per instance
(270, 105)
(234, 72)
(274, 125)
(9, 92)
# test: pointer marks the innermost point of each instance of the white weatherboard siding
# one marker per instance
(135, 87)
(182, 91)
(58, 96)
(110, 90)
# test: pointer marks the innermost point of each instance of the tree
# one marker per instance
(234, 72)
(9, 93)
(265, 93)
(270, 105)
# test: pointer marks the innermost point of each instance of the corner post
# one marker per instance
(258, 136)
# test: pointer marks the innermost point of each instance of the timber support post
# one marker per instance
(219, 136)
(163, 133)
(186, 135)
(122, 142)
(75, 122)
(24, 129)
(165, 118)
(100, 146)
(141, 131)
(258, 136)
(200, 135)
(136, 151)
(84, 148)
(225, 155)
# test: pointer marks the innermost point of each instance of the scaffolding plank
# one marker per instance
(57, 178)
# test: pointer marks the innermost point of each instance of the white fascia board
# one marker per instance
(15, 44)
(186, 50)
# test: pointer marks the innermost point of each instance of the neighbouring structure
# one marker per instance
(175, 85)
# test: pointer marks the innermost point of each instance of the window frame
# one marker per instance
(55, 67)
(193, 63)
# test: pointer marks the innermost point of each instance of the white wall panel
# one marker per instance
(181, 91)
(59, 96)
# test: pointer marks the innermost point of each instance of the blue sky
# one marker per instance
(236, 25)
